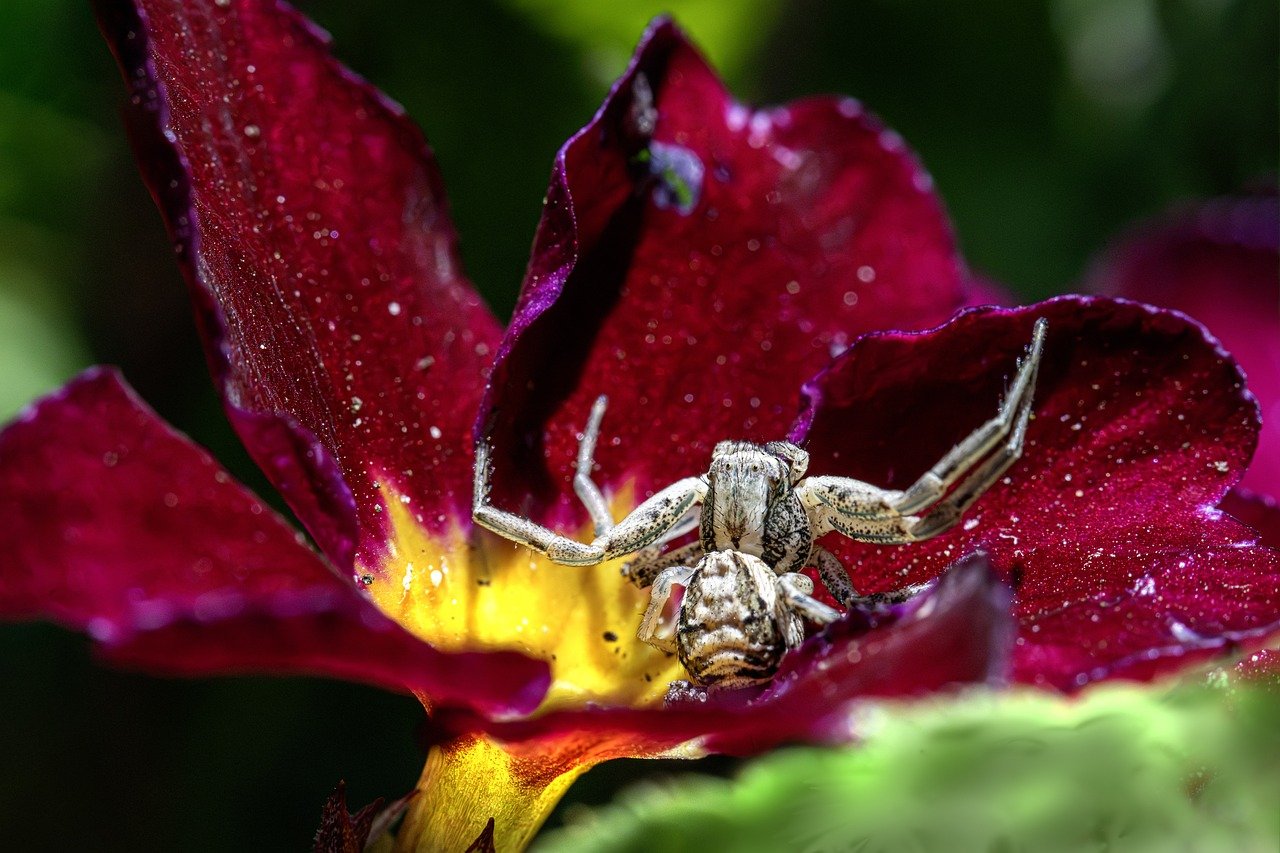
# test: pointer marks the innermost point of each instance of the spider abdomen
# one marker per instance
(729, 632)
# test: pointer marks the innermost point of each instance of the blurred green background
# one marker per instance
(1048, 126)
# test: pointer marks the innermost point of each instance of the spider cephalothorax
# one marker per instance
(758, 520)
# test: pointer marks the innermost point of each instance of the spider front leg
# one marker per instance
(931, 505)
(797, 591)
(836, 579)
(645, 525)
(652, 561)
(658, 598)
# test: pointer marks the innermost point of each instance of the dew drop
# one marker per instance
(680, 174)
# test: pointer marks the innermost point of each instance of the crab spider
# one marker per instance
(758, 520)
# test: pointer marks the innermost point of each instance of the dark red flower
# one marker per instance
(701, 262)
(1220, 263)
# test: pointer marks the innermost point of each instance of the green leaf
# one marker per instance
(729, 33)
(1122, 769)
(38, 347)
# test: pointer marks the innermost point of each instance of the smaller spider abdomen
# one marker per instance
(728, 633)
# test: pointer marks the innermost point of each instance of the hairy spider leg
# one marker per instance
(643, 526)
(586, 489)
(593, 499)
(835, 577)
(658, 598)
(652, 561)
(866, 513)
(796, 590)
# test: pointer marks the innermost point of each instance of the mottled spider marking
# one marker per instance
(788, 538)
(733, 627)
(759, 519)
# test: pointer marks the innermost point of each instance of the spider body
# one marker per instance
(732, 629)
(751, 504)
(758, 520)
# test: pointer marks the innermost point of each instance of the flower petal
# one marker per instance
(1220, 263)
(696, 261)
(957, 633)
(1261, 512)
(119, 526)
(983, 290)
(1106, 527)
(1261, 669)
(311, 223)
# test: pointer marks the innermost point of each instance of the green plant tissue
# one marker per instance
(1120, 769)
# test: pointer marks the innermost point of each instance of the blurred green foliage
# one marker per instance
(1123, 770)
(1048, 125)
(731, 34)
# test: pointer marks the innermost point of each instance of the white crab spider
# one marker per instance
(758, 519)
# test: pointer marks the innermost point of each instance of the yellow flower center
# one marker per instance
(479, 592)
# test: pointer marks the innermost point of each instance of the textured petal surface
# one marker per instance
(1261, 512)
(1105, 527)
(697, 260)
(311, 223)
(1260, 668)
(1220, 263)
(118, 526)
(960, 632)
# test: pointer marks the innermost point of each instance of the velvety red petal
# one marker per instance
(1260, 669)
(960, 632)
(1220, 263)
(1106, 527)
(311, 223)
(981, 290)
(118, 526)
(1261, 512)
(697, 260)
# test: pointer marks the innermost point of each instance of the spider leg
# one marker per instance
(688, 524)
(945, 514)
(593, 499)
(658, 599)
(833, 574)
(643, 526)
(866, 513)
(1011, 420)
(650, 562)
(796, 591)
(1014, 413)
(587, 490)
(836, 579)
(522, 531)
(894, 529)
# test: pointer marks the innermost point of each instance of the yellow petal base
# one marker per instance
(472, 779)
(474, 591)
(471, 590)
